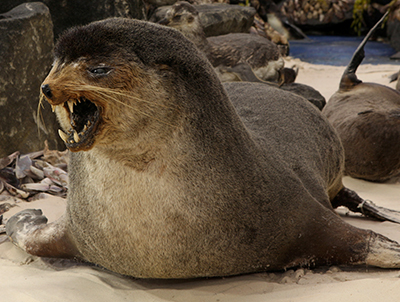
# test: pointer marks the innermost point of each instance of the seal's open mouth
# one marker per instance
(84, 117)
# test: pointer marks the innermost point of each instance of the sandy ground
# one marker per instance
(26, 278)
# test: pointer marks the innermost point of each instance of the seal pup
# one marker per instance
(367, 119)
(170, 178)
(262, 55)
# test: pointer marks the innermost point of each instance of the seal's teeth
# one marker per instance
(76, 137)
(70, 106)
(63, 135)
(53, 108)
(84, 128)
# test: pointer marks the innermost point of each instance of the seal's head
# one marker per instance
(184, 17)
(106, 67)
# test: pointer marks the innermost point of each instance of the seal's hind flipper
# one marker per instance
(349, 78)
(350, 199)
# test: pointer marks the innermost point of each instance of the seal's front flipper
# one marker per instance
(29, 230)
(355, 203)
(246, 74)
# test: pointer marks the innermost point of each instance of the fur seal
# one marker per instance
(207, 185)
(308, 92)
(262, 55)
(367, 119)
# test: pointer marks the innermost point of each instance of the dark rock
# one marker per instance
(26, 43)
(68, 13)
(393, 32)
(218, 19)
(393, 28)
(160, 3)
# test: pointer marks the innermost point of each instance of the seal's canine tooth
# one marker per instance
(70, 106)
(76, 137)
(63, 135)
(218, 180)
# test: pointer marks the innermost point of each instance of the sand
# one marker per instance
(26, 278)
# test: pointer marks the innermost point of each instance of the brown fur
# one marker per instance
(367, 119)
(262, 55)
(182, 181)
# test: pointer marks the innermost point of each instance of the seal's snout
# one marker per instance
(163, 21)
(47, 91)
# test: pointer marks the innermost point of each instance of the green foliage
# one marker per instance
(359, 7)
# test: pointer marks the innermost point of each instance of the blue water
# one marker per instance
(337, 51)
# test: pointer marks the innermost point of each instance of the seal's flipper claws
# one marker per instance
(30, 231)
(23, 223)
(355, 203)
(245, 73)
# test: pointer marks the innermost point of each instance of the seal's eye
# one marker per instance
(98, 71)
(176, 18)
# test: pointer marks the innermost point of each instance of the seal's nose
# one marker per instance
(47, 91)
(163, 21)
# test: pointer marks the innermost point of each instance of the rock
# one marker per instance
(396, 56)
(393, 29)
(218, 19)
(159, 3)
(25, 58)
(68, 13)
(393, 32)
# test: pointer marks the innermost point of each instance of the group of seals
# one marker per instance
(239, 56)
(171, 178)
(262, 55)
(367, 119)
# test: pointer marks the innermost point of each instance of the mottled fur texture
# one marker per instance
(180, 181)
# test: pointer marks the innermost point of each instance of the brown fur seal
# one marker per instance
(169, 178)
(367, 119)
(308, 92)
(227, 50)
